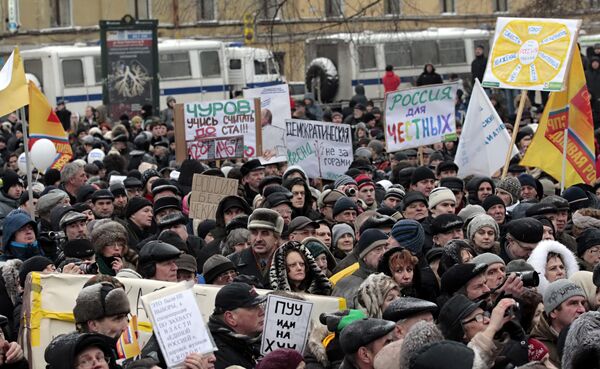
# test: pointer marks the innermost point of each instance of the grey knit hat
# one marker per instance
(89, 304)
(488, 259)
(470, 211)
(558, 292)
(214, 266)
(47, 202)
(106, 232)
(480, 221)
(338, 231)
(512, 186)
(343, 180)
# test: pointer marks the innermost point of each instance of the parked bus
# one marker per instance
(189, 70)
(336, 63)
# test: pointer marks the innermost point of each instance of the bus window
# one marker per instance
(398, 54)
(174, 65)
(273, 68)
(209, 64)
(72, 73)
(260, 67)
(235, 64)
(366, 57)
(424, 52)
(484, 43)
(34, 66)
(452, 51)
(97, 69)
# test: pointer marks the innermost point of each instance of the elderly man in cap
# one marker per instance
(466, 279)
(102, 204)
(345, 210)
(265, 227)
(446, 227)
(407, 311)
(300, 228)
(564, 301)
(157, 260)
(414, 206)
(165, 206)
(133, 186)
(361, 340)
(72, 177)
(522, 236)
(253, 172)
(120, 202)
(494, 206)
(325, 204)
(236, 325)
(163, 187)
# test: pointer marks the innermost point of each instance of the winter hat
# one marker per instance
(315, 246)
(136, 204)
(47, 202)
(526, 230)
(519, 265)
(173, 238)
(459, 275)
(537, 351)
(588, 239)
(342, 204)
(280, 359)
(363, 152)
(480, 221)
(439, 195)
(107, 232)
(362, 332)
(205, 227)
(488, 259)
(492, 201)
(558, 292)
(389, 356)
(541, 209)
(147, 174)
(338, 231)
(444, 223)
(576, 197)
(9, 179)
(581, 342)
(527, 180)
(364, 180)
(512, 186)
(214, 266)
(419, 335)
(413, 196)
(454, 311)
(266, 219)
(454, 354)
(100, 300)
(85, 192)
(559, 202)
(444, 166)
(409, 234)
(369, 240)
(372, 292)
(453, 183)
(586, 218)
(33, 264)
(420, 174)
(470, 211)
(395, 192)
(344, 180)
(405, 307)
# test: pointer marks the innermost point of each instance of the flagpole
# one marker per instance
(515, 131)
(28, 161)
(563, 175)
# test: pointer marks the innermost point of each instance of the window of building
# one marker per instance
(366, 57)
(72, 73)
(448, 6)
(594, 4)
(269, 9)
(60, 15)
(205, 10)
(398, 54)
(210, 66)
(501, 5)
(97, 69)
(142, 9)
(175, 65)
(333, 8)
(392, 7)
(34, 66)
(424, 52)
(452, 51)
(260, 67)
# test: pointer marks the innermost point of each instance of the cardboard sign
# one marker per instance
(177, 323)
(286, 324)
(218, 130)
(207, 192)
(419, 116)
(275, 109)
(530, 53)
(323, 150)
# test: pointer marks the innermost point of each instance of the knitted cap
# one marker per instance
(512, 186)
(214, 266)
(136, 204)
(342, 204)
(344, 180)
(588, 239)
(409, 234)
(33, 264)
(453, 183)
(338, 231)
(370, 239)
(420, 174)
(439, 195)
(480, 221)
(558, 292)
(492, 201)
(488, 259)
(470, 211)
(364, 180)
(281, 358)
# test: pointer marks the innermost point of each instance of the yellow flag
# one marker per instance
(566, 109)
(13, 85)
(43, 123)
(128, 345)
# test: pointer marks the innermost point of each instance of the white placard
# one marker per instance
(286, 324)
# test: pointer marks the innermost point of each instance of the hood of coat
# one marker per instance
(539, 259)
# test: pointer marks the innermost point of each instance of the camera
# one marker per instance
(351, 192)
(56, 236)
(87, 268)
(529, 278)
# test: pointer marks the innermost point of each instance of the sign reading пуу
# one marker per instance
(530, 54)
(419, 116)
(207, 192)
(323, 150)
(286, 324)
(222, 129)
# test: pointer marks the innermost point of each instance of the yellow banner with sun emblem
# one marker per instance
(531, 53)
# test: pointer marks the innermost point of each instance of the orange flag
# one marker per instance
(43, 123)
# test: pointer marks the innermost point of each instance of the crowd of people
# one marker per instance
(436, 271)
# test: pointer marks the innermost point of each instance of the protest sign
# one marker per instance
(323, 150)
(484, 139)
(530, 53)
(207, 192)
(275, 109)
(419, 116)
(177, 323)
(286, 324)
(218, 130)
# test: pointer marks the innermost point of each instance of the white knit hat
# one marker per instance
(439, 195)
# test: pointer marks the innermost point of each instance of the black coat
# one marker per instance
(429, 78)
(478, 68)
(234, 349)
(245, 263)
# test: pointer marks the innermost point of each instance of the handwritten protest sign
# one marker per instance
(177, 323)
(286, 324)
(218, 130)
(530, 53)
(207, 192)
(419, 116)
(275, 109)
(323, 150)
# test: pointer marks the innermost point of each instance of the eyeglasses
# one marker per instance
(228, 274)
(89, 361)
(478, 318)
(594, 250)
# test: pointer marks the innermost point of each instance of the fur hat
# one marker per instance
(419, 335)
(582, 337)
(100, 300)
(266, 219)
(372, 292)
(107, 232)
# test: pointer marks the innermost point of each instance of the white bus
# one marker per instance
(341, 61)
(189, 70)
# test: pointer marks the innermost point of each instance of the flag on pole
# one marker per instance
(128, 345)
(13, 85)
(566, 110)
(484, 139)
(43, 123)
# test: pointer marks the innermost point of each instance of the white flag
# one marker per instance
(484, 139)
